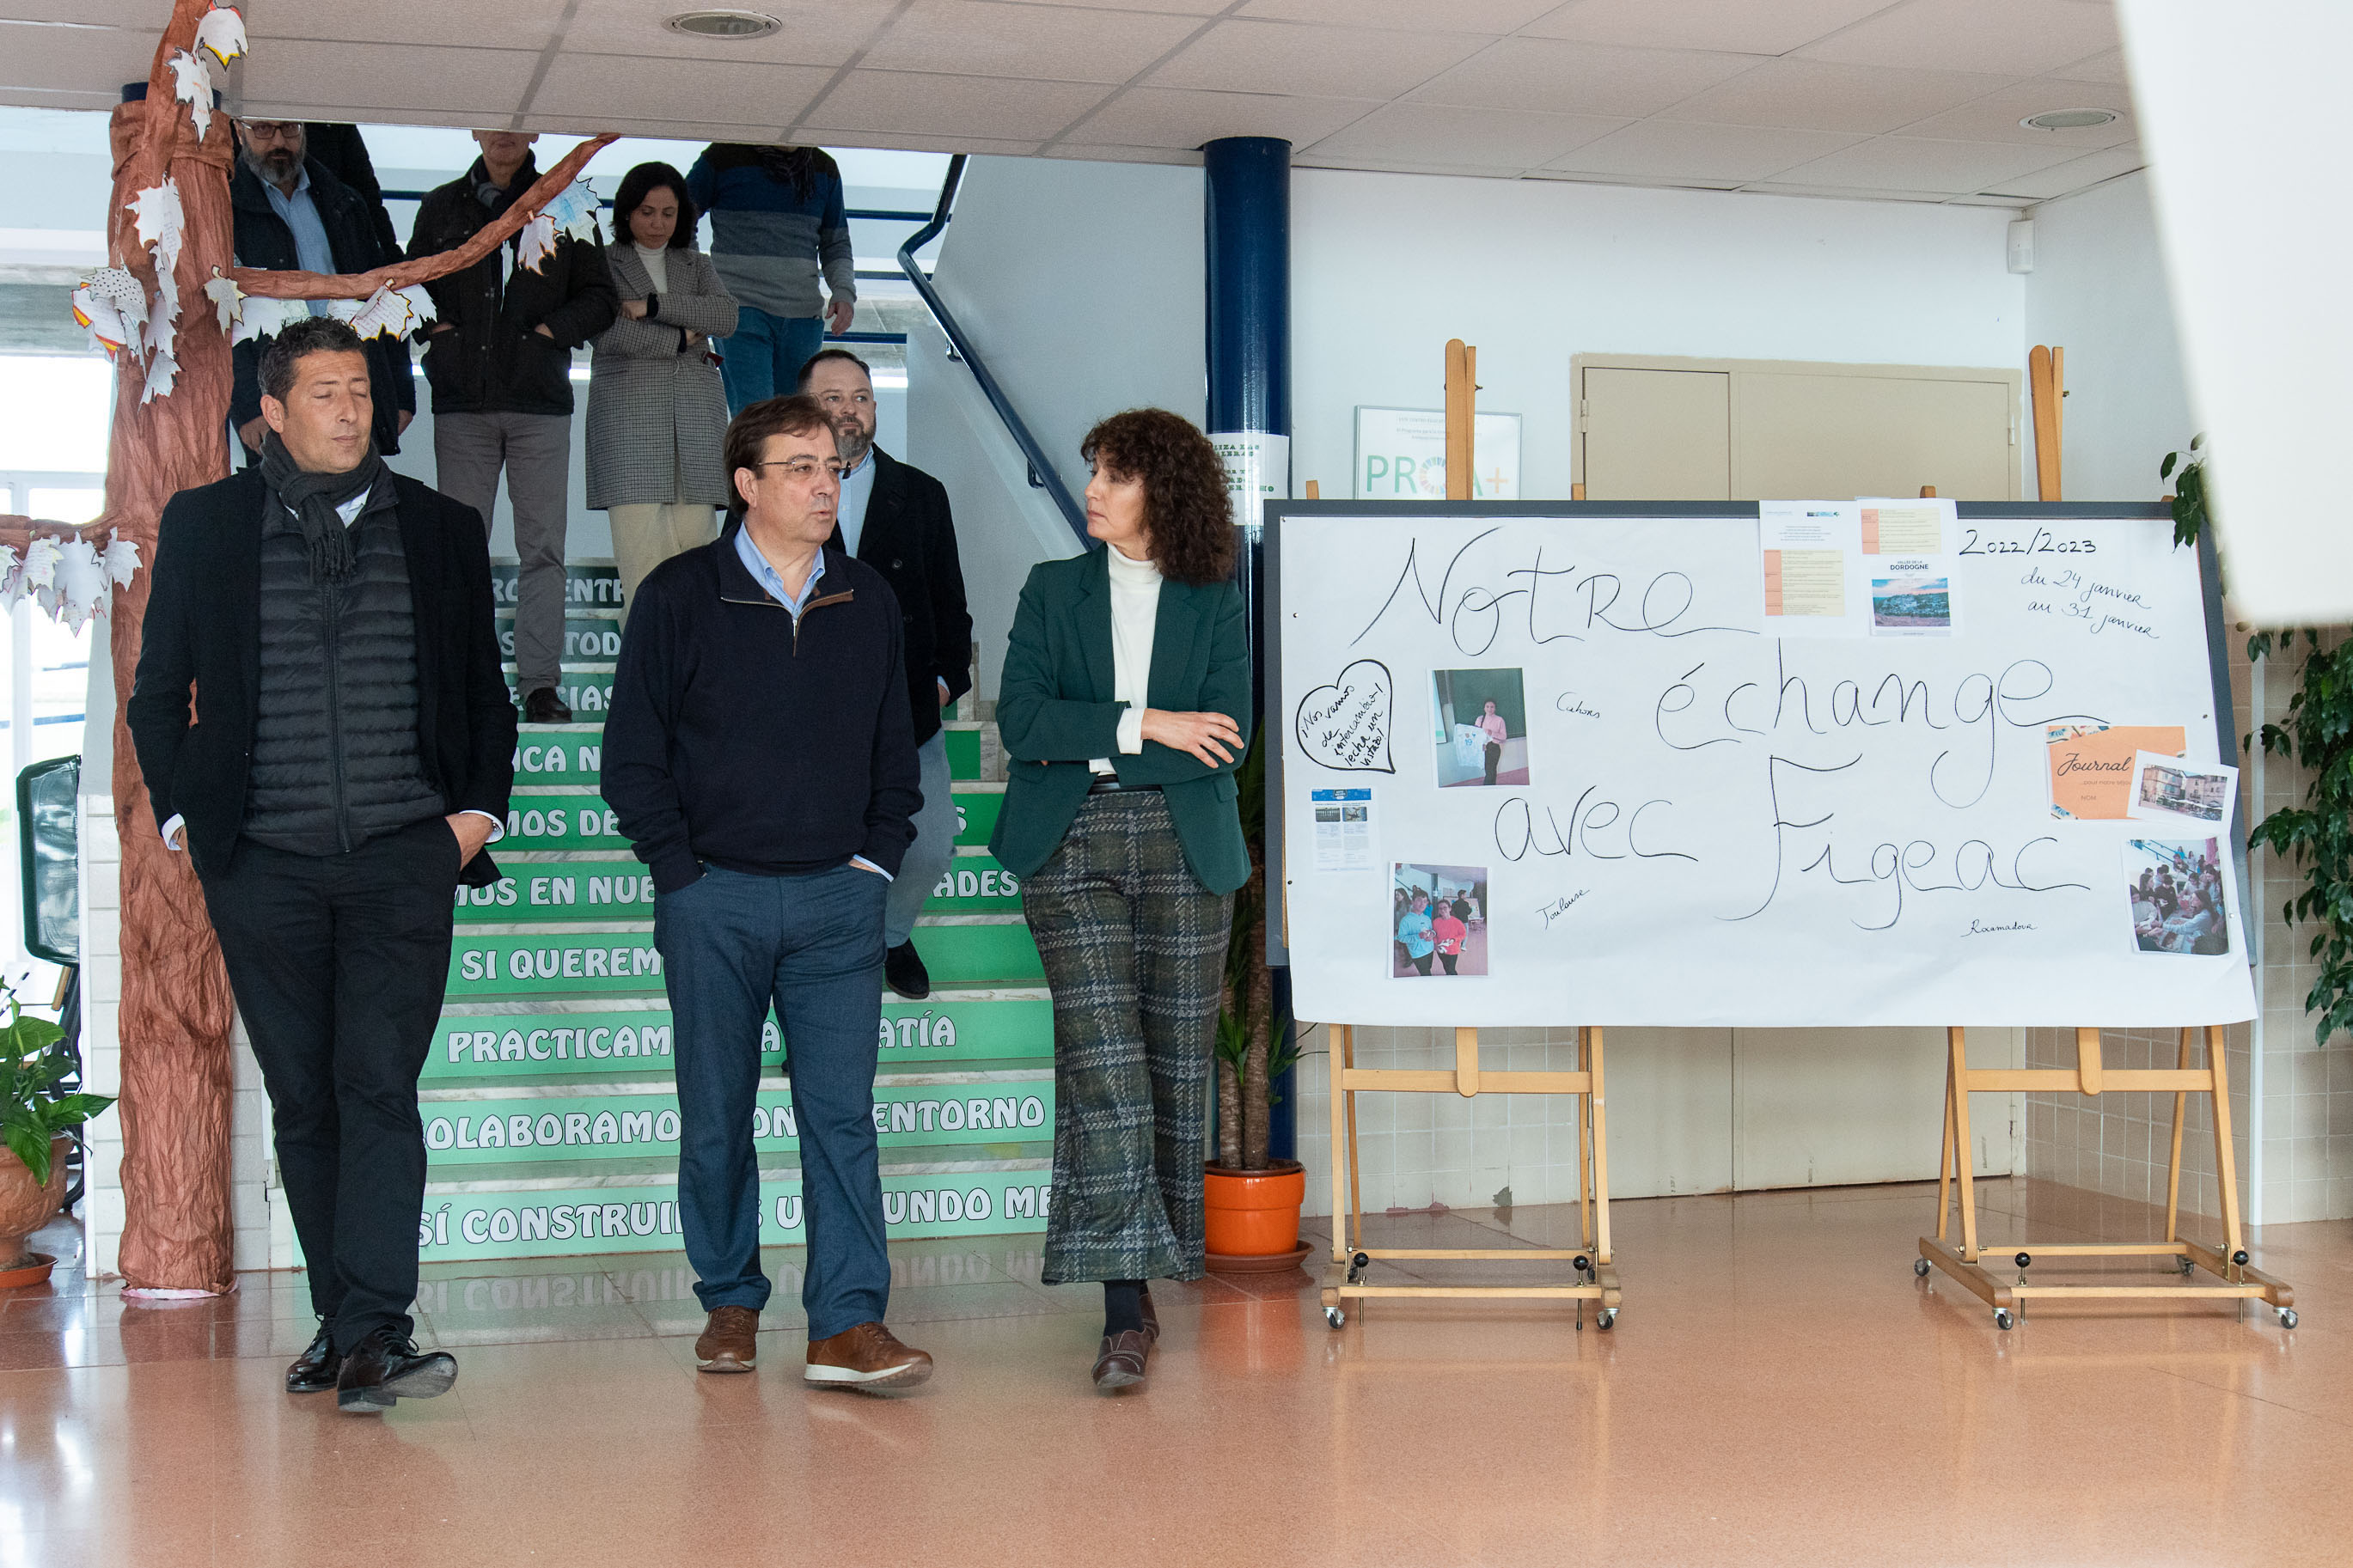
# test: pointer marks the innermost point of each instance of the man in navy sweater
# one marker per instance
(761, 758)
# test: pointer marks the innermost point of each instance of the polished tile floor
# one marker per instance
(1779, 1390)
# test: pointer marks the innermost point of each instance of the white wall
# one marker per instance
(2098, 291)
(1386, 268)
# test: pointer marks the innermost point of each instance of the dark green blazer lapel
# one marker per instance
(1093, 612)
(1174, 626)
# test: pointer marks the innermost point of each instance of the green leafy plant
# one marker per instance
(1250, 1049)
(31, 1111)
(2189, 492)
(2318, 836)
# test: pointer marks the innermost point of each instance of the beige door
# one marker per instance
(1657, 434)
(1676, 429)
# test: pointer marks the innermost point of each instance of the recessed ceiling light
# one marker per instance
(724, 23)
(2070, 119)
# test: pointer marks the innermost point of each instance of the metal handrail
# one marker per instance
(1042, 473)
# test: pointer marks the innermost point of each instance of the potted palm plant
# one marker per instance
(1253, 1200)
(36, 1124)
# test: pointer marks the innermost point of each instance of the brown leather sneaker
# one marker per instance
(868, 1356)
(730, 1342)
(1150, 1317)
(1119, 1362)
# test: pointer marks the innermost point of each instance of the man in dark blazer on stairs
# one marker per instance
(895, 518)
(350, 755)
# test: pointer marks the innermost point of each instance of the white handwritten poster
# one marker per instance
(1693, 822)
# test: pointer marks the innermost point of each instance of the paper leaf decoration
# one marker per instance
(8, 595)
(121, 560)
(420, 302)
(160, 216)
(573, 210)
(110, 303)
(222, 34)
(40, 564)
(259, 316)
(191, 84)
(77, 586)
(536, 242)
(225, 295)
(385, 313)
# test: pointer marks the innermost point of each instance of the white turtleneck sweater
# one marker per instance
(1134, 610)
(657, 265)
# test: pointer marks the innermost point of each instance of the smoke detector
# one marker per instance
(2070, 119)
(728, 25)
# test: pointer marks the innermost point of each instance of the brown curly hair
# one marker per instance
(1185, 506)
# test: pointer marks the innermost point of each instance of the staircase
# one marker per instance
(551, 1117)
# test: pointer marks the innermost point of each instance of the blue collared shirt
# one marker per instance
(857, 490)
(771, 579)
(301, 215)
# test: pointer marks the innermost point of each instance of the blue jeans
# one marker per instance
(934, 845)
(766, 355)
(731, 943)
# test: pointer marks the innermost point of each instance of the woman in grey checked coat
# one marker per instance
(657, 413)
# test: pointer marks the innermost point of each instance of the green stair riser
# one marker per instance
(943, 1032)
(587, 638)
(587, 692)
(963, 753)
(553, 757)
(1000, 1116)
(483, 966)
(976, 810)
(586, 586)
(550, 822)
(621, 889)
(551, 1224)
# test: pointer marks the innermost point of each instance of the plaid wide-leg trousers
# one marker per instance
(1135, 951)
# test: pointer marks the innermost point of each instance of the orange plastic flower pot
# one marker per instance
(1254, 1213)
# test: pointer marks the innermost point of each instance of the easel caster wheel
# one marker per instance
(2001, 1319)
(2185, 1264)
(2288, 1317)
(1920, 1267)
(1606, 1318)
(2025, 1260)
(1336, 1317)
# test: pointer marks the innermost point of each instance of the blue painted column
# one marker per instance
(1248, 238)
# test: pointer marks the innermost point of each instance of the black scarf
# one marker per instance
(313, 498)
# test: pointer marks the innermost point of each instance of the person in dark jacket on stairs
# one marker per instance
(760, 757)
(498, 357)
(293, 214)
(350, 755)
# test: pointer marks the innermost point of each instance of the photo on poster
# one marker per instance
(2174, 889)
(1344, 829)
(2092, 765)
(1914, 600)
(2166, 789)
(1479, 726)
(1438, 921)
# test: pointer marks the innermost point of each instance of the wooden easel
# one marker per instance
(1596, 1280)
(2227, 1263)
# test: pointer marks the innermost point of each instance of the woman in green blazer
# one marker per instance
(1124, 708)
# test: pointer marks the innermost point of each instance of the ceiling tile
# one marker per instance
(1167, 117)
(1996, 116)
(1580, 177)
(1743, 27)
(139, 15)
(2060, 179)
(1579, 79)
(919, 104)
(512, 24)
(815, 32)
(1840, 193)
(80, 59)
(1494, 17)
(761, 94)
(2108, 67)
(1098, 152)
(1331, 62)
(390, 78)
(1817, 95)
(1432, 133)
(1174, 7)
(976, 37)
(1915, 164)
(1673, 150)
(2006, 37)
(758, 133)
(887, 141)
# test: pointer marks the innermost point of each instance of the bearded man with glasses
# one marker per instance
(760, 756)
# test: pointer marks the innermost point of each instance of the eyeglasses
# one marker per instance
(272, 129)
(802, 468)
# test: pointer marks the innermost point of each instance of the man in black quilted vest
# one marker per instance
(351, 752)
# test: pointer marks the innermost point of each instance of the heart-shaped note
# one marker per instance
(1346, 726)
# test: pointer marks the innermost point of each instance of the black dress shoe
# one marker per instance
(903, 972)
(316, 1368)
(544, 706)
(385, 1368)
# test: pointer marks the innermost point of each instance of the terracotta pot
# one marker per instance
(25, 1207)
(1254, 1213)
